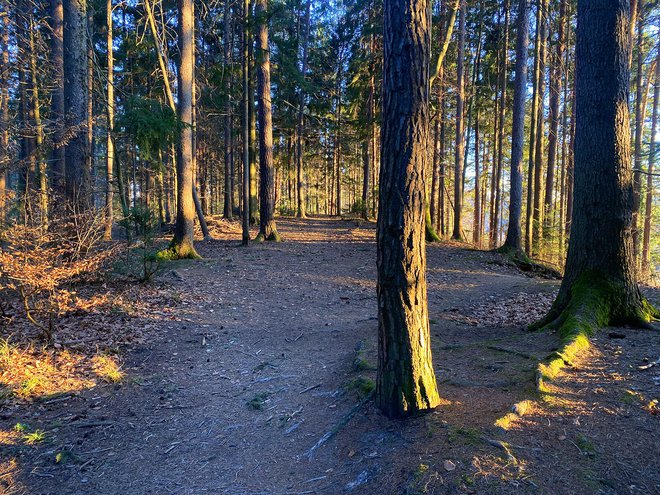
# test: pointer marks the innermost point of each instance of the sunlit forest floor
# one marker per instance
(244, 361)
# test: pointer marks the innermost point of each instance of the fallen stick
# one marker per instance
(309, 388)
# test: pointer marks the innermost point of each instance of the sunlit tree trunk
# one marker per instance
(110, 109)
(406, 380)
(182, 244)
(57, 94)
(639, 128)
(460, 138)
(267, 227)
(599, 286)
(648, 213)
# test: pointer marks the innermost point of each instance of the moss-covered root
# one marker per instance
(274, 236)
(179, 250)
(519, 258)
(594, 303)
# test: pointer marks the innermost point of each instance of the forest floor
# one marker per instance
(263, 352)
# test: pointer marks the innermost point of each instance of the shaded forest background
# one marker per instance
(325, 83)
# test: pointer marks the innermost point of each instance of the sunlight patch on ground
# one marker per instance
(29, 373)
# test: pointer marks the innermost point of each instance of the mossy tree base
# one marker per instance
(179, 250)
(593, 302)
(274, 236)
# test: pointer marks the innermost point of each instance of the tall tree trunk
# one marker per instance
(369, 149)
(557, 60)
(300, 129)
(406, 381)
(648, 213)
(513, 241)
(4, 110)
(40, 171)
(337, 143)
(245, 196)
(460, 138)
(639, 129)
(267, 227)
(529, 213)
(75, 105)
(228, 206)
(599, 286)
(182, 244)
(89, 100)
(476, 231)
(254, 200)
(57, 94)
(537, 217)
(110, 110)
(495, 228)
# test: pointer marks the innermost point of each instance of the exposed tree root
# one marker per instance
(594, 302)
(524, 263)
(338, 427)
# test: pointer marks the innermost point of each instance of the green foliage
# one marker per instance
(141, 260)
(152, 126)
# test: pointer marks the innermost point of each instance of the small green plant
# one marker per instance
(141, 226)
(32, 438)
(21, 427)
(258, 402)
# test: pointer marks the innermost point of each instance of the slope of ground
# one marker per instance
(271, 349)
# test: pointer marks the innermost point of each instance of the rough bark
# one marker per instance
(600, 286)
(267, 227)
(75, 104)
(406, 381)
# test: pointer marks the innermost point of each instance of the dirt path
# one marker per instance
(273, 346)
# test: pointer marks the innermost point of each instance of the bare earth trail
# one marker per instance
(273, 346)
